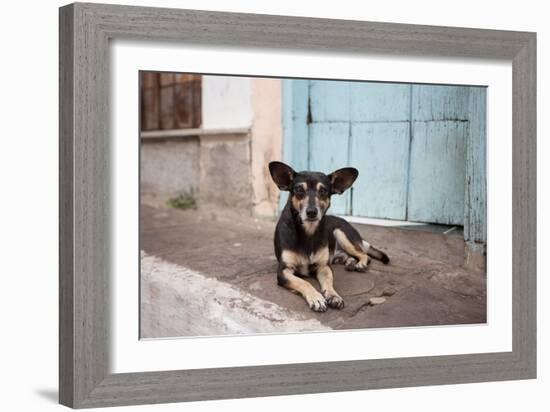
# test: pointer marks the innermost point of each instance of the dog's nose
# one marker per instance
(311, 212)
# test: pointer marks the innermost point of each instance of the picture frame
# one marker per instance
(85, 32)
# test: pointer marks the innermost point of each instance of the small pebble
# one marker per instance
(377, 300)
(256, 286)
(389, 292)
(237, 244)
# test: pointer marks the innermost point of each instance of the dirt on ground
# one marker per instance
(424, 284)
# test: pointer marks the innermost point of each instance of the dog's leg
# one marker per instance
(326, 280)
(289, 280)
(375, 253)
(339, 255)
(354, 249)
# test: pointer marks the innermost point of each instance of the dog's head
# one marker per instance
(310, 192)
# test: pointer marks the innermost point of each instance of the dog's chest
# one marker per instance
(303, 263)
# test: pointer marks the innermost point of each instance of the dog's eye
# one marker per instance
(299, 192)
(323, 192)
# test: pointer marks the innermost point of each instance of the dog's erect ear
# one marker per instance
(342, 179)
(282, 175)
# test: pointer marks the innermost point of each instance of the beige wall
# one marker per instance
(266, 142)
(241, 102)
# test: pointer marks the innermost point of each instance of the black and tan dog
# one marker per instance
(307, 240)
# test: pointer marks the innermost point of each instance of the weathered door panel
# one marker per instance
(380, 102)
(299, 132)
(328, 145)
(295, 127)
(329, 101)
(380, 151)
(437, 179)
(432, 103)
(437, 172)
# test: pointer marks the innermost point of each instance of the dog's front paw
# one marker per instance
(335, 301)
(316, 302)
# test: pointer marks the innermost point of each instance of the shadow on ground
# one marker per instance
(208, 273)
(51, 395)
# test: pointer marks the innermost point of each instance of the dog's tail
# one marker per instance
(375, 253)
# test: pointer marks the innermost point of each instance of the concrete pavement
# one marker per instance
(211, 272)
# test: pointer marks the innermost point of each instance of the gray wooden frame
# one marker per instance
(85, 31)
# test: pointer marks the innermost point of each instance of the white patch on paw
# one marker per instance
(317, 302)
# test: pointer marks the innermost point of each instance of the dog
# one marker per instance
(307, 240)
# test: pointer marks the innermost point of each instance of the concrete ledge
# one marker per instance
(183, 133)
(177, 301)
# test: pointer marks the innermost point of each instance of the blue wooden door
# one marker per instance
(409, 143)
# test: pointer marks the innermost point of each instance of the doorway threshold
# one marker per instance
(405, 224)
